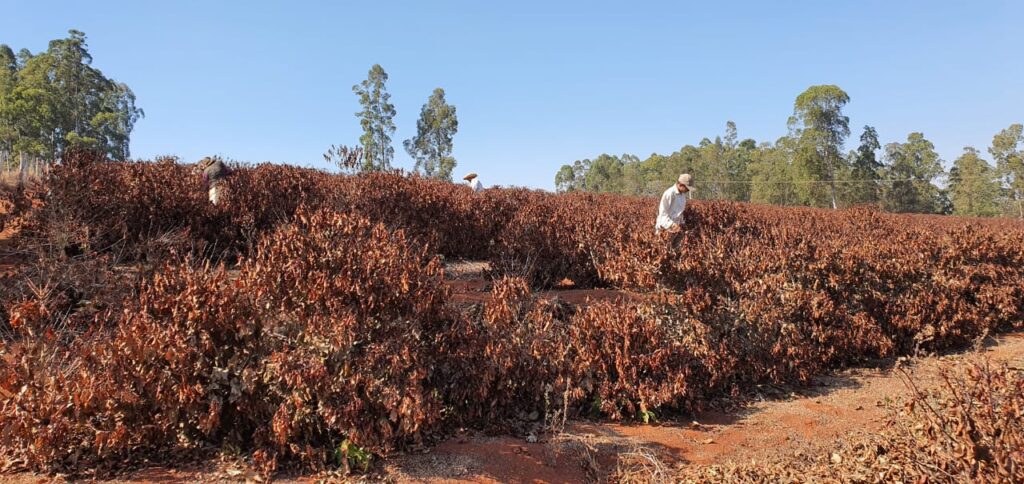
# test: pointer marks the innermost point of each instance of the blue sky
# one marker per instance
(540, 84)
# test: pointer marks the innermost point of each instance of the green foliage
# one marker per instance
(602, 174)
(377, 120)
(911, 170)
(807, 167)
(8, 80)
(566, 180)
(864, 180)
(773, 175)
(824, 129)
(56, 100)
(1008, 151)
(973, 186)
(432, 145)
(720, 167)
(352, 456)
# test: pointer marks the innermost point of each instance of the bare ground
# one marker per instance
(469, 284)
(841, 406)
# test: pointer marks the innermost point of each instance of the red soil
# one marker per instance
(470, 285)
(837, 407)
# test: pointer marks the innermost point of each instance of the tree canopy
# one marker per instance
(822, 131)
(431, 148)
(911, 170)
(1008, 151)
(56, 99)
(973, 186)
(376, 119)
(807, 167)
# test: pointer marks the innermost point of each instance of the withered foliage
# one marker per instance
(968, 429)
(306, 316)
(144, 210)
(288, 357)
(512, 360)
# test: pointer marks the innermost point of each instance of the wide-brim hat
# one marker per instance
(469, 176)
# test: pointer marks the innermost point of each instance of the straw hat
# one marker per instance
(469, 176)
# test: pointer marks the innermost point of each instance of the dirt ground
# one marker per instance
(469, 284)
(779, 421)
(810, 420)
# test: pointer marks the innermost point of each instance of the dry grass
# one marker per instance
(641, 465)
(10, 178)
(614, 459)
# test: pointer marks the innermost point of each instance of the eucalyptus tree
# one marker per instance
(864, 185)
(56, 99)
(432, 145)
(910, 172)
(376, 119)
(973, 186)
(824, 128)
(1008, 151)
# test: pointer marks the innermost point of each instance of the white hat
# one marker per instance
(686, 179)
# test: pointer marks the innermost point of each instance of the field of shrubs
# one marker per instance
(305, 320)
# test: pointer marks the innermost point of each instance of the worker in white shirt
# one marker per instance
(473, 182)
(215, 174)
(671, 208)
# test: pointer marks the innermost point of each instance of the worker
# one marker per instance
(215, 173)
(474, 182)
(671, 208)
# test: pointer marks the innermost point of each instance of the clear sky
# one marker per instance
(540, 84)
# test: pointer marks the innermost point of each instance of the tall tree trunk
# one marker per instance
(21, 171)
(832, 179)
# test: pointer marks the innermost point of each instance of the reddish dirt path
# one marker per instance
(469, 284)
(837, 407)
(9, 230)
(8, 261)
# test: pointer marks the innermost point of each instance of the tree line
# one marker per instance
(56, 99)
(808, 167)
(431, 147)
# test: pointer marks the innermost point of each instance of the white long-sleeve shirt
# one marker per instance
(476, 185)
(670, 210)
